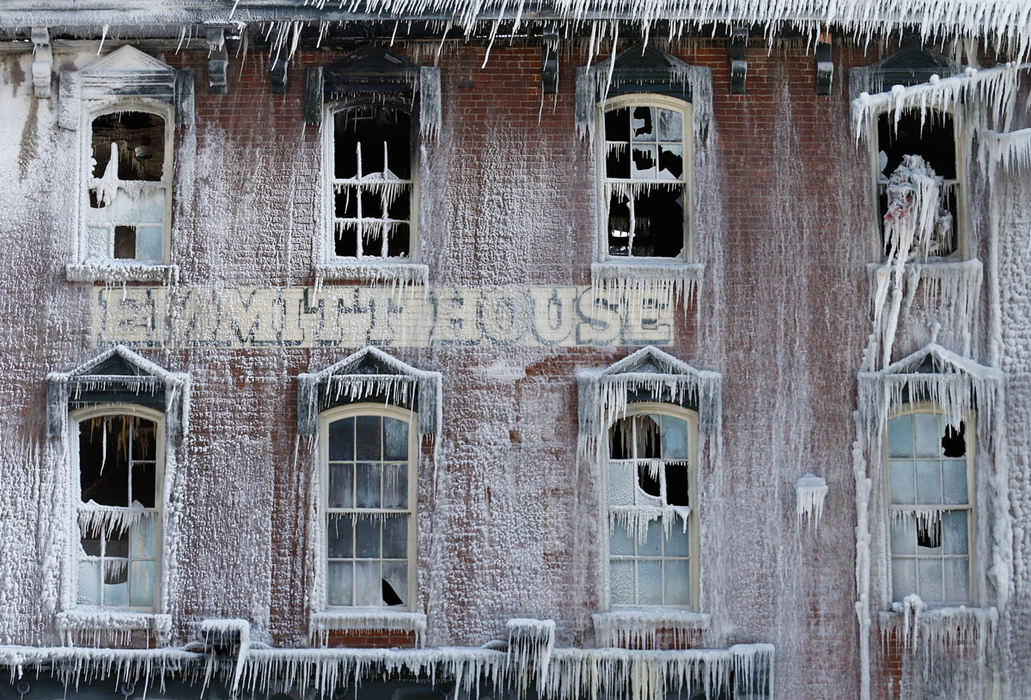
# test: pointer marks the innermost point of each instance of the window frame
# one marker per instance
(332, 415)
(75, 419)
(328, 174)
(128, 104)
(962, 251)
(646, 99)
(969, 418)
(693, 448)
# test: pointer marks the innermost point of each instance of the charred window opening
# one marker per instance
(118, 517)
(372, 183)
(649, 498)
(127, 187)
(932, 137)
(368, 512)
(930, 508)
(645, 181)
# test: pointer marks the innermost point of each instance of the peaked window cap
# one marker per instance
(369, 374)
(911, 65)
(119, 375)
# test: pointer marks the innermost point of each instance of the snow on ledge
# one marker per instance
(635, 627)
(322, 623)
(114, 272)
(92, 626)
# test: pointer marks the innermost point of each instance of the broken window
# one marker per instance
(930, 458)
(646, 167)
(650, 498)
(931, 136)
(372, 184)
(127, 187)
(120, 495)
(369, 499)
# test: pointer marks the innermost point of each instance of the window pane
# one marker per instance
(903, 535)
(395, 582)
(957, 580)
(341, 440)
(954, 526)
(143, 538)
(117, 545)
(677, 493)
(642, 123)
(148, 238)
(644, 162)
(674, 438)
(621, 583)
(903, 489)
(903, 578)
(928, 434)
(89, 583)
(671, 163)
(649, 582)
(955, 481)
(671, 125)
(395, 537)
(144, 483)
(340, 583)
(930, 578)
(620, 541)
(341, 477)
(678, 544)
(617, 124)
(395, 485)
(143, 584)
(928, 482)
(367, 486)
(366, 537)
(900, 436)
(339, 536)
(652, 545)
(678, 582)
(622, 483)
(367, 437)
(91, 545)
(395, 439)
(368, 584)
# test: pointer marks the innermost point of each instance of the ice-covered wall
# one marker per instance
(508, 196)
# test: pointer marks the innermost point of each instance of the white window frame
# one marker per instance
(691, 417)
(74, 555)
(129, 104)
(687, 124)
(323, 512)
(328, 248)
(962, 160)
(890, 510)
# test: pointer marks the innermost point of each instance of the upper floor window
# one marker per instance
(372, 185)
(120, 460)
(930, 480)
(368, 506)
(646, 152)
(651, 492)
(128, 187)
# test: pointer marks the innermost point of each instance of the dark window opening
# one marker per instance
(932, 137)
(676, 484)
(125, 242)
(929, 532)
(645, 181)
(954, 441)
(372, 183)
(117, 461)
(138, 139)
(390, 596)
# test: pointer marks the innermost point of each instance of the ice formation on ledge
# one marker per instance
(644, 285)
(232, 632)
(93, 627)
(639, 628)
(112, 272)
(530, 645)
(933, 631)
(1009, 150)
(810, 491)
(402, 276)
(324, 623)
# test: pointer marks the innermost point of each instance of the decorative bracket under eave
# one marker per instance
(549, 63)
(738, 64)
(277, 75)
(42, 61)
(824, 65)
(218, 62)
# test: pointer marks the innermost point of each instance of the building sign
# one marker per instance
(349, 316)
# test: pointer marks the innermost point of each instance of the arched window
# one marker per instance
(368, 505)
(119, 454)
(929, 491)
(651, 495)
(646, 197)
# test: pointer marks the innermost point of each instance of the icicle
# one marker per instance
(810, 491)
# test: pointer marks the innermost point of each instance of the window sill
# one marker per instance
(913, 622)
(115, 272)
(113, 626)
(631, 627)
(396, 273)
(366, 620)
(932, 269)
(649, 277)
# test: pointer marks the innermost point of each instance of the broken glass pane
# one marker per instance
(395, 582)
(954, 443)
(144, 483)
(642, 124)
(645, 161)
(671, 163)
(125, 242)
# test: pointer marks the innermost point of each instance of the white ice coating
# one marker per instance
(530, 645)
(94, 627)
(810, 492)
(931, 632)
(231, 631)
(325, 622)
(640, 628)
(641, 285)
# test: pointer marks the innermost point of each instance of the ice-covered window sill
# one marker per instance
(959, 614)
(90, 626)
(366, 620)
(933, 268)
(394, 273)
(650, 277)
(115, 272)
(633, 626)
